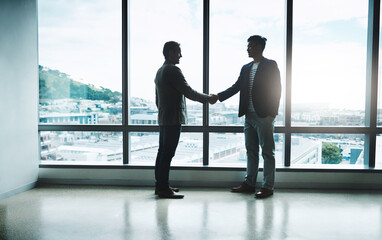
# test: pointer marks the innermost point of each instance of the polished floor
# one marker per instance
(53, 212)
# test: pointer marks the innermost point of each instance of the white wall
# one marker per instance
(19, 150)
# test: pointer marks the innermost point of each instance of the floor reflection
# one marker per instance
(162, 219)
(136, 213)
(3, 222)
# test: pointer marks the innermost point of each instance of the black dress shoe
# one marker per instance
(172, 188)
(243, 188)
(168, 193)
(264, 193)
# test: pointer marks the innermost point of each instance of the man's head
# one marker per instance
(172, 52)
(256, 45)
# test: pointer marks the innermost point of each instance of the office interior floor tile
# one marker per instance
(51, 212)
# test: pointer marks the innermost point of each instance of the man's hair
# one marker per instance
(257, 39)
(169, 46)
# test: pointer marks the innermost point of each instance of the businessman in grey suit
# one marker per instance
(171, 88)
(260, 91)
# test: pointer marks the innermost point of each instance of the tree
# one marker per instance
(331, 153)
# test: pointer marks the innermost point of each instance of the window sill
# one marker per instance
(226, 167)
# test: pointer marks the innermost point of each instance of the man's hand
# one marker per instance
(213, 98)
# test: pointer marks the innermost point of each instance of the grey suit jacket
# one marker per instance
(171, 88)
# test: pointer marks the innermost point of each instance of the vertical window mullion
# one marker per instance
(372, 81)
(288, 81)
(125, 97)
(206, 39)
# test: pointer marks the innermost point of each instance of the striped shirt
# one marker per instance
(252, 74)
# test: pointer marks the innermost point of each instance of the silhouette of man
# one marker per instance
(260, 90)
(171, 88)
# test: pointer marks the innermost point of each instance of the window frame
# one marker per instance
(370, 130)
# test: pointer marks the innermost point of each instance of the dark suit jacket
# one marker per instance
(266, 91)
(170, 89)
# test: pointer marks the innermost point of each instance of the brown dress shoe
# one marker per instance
(172, 188)
(168, 193)
(264, 193)
(243, 188)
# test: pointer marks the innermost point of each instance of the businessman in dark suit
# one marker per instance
(171, 88)
(260, 90)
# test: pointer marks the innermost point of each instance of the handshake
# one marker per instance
(213, 98)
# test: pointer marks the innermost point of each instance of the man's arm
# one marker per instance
(156, 96)
(183, 87)
(276, 89)
(235, 88)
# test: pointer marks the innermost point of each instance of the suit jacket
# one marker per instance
(171, 88)
(266, 91)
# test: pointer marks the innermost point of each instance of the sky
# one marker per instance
(83, 39)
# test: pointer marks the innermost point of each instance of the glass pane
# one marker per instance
(81, 148)
(339, 150)
(329, 62)
(144, 149)
(379, 108)
(378, 152)
(231, 25)
(80, 62)
(229, 149)
(152, 23)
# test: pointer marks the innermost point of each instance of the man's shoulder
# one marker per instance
(264, 60)
(170, 68)
(248, 64)
(269, 61)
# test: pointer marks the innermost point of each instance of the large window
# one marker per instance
(144, 149)
(329, 150)
(151, 24)
(80, 53)
(378, 157)
(228, 149)
(329, 62)
(379, 108)
(91, 148)
(98, 60)
(232, 23)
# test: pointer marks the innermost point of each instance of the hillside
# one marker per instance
(57, 85)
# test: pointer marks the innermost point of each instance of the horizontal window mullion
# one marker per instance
(154, 128)
(102, 128)
(344, 130)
